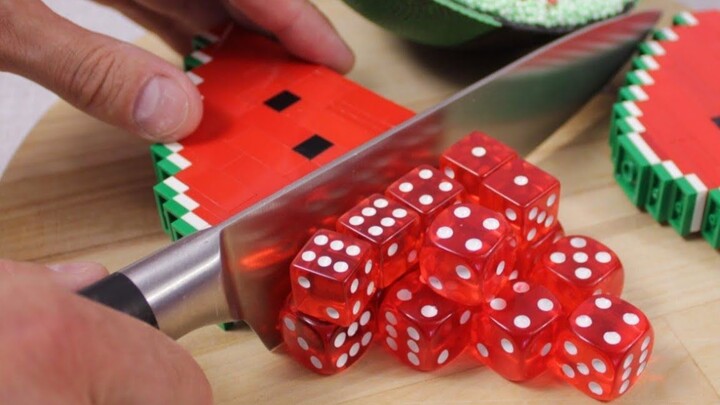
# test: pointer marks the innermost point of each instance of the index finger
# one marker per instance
(301, 28)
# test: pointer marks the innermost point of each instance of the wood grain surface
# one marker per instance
(80, 190)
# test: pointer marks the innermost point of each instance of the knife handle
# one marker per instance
(117, 291)
(177, 289)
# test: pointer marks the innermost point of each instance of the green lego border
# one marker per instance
(168, 160)
(685, 18)
(659, 187)
(711, 222)
(661, 190)
(633, 161)
(688, 205)
(174, 207)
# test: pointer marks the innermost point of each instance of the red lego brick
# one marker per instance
(269, 120)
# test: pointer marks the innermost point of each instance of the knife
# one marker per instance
(238, 270)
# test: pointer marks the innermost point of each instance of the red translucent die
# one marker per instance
(514, 335)
(423, 330)
(472, 158)
(604, 347)
(577, 267)
(530, 254)
(334, 277)
(323, 347)
(526, 195)
(468, 253)
(426, 190)
(391, 228)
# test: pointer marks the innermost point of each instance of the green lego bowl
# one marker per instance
(448, 23)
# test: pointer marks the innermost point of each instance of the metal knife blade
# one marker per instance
(238, 270)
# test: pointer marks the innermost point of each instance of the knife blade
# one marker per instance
(238, 270)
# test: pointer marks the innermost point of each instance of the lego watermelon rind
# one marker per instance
(172, 203)
(711, 223)
(659, 187)
(168, 162)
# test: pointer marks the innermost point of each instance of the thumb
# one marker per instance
(111, 80)
(64, 349)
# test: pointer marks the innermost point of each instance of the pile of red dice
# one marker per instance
(470, 256)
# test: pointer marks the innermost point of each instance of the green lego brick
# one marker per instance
(621, 111)
(166, 191)
(158, 153)
(632, 167)
(190, 63)
(685, 18)
(639, 77)
(651, 48)
(632, 93)
(195, 59)
(625, 115)
(166, 168)
(163, 193)
(180, 229)
(627, 109)
(618, 113)
(166, 160)
(683, 205)
(228, 326)
(627, 125)
(178, 207)
(688, 205)
(201, 41)
(661, 189)
(711, 222)
(665, 34)
(173, 211)
(187, 225)
(645, 62)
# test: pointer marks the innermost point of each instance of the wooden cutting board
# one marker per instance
(80, 190)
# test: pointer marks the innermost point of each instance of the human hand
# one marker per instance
(57, 347)
(134, 89)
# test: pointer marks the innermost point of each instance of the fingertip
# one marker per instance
(167, 108)
(324, 48)
(329, 49)
(77, 274)
(343, 61)
(302, 28)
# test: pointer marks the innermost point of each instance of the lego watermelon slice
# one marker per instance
(665, 135)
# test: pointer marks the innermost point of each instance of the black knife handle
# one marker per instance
(117, 291)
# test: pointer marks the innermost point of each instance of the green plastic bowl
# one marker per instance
(447, 23)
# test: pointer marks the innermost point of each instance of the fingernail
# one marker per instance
(161, 108)
(77, 267)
